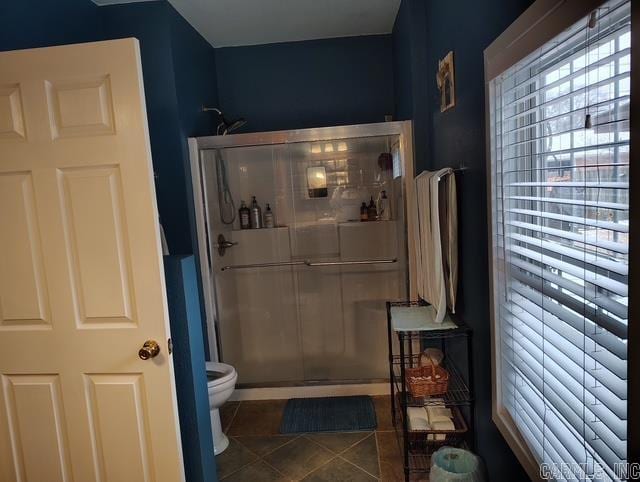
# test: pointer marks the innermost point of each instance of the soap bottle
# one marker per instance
(244, 216)
(269, 221)
(372, 213)
(384, 212)
(364, 214)
(255, 217)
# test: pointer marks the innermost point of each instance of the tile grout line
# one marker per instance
(318, 467)
(258, 458)
(344, 450)
(358, 467)
(375, 434)
(372, 434)
(338, 455)
(261, 458)
(270, 451)
(334, 456)
(234, 471)
(274, 468)
(233, 417)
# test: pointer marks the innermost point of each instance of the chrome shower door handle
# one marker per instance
(222, 245)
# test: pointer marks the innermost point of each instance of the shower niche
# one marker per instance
(303, 302)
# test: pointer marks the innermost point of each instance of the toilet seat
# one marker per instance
(228, 370)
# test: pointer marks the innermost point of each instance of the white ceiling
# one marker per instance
(226, 23)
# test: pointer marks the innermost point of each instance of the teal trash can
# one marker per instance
(449, 464)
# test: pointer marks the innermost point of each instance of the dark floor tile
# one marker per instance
(256, 472)
(261, 445)
(337, 441)
(227, 411)
(390, 456)
(233, 458)
(365, 455)
(339, 470)
(391, 470)
(383, 412)
(298, 457)
(258, 417)
(388, 445)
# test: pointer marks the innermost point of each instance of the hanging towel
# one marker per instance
(436, 240)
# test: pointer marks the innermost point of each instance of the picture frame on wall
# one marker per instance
(446, 82)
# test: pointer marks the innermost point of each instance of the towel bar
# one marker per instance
(306, 262)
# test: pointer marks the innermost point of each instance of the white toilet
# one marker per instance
(221, 381)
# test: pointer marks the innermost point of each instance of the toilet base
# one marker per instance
(220, 440)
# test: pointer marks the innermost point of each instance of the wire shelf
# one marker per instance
(407, 336)
(405, 349)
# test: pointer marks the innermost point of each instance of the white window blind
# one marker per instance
(559, 194)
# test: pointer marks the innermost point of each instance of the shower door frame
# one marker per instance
(402, 129)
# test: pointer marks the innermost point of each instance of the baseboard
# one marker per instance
(278, 393)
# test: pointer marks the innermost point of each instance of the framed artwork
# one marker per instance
(446, 82)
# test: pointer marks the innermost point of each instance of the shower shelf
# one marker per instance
(405, 348)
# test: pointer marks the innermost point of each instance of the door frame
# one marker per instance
(403, 129)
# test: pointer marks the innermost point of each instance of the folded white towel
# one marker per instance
(417, 418)
(443, 425)
(438, 413)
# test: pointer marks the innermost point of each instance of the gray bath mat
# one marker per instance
(329, 414)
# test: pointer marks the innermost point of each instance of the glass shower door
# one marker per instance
(257, 323)
(304, 301)
(351, 267)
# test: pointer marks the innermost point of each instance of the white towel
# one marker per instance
(436, 240)
(439, 413)
(443, 425)
(417, 418)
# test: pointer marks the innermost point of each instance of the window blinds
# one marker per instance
(559, 194)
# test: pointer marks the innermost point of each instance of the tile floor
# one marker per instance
(257, 452)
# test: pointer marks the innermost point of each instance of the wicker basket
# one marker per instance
(427, 380)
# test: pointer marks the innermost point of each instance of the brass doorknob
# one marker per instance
(150, 349)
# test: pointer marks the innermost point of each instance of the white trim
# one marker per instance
(281, 393)
(541, 22)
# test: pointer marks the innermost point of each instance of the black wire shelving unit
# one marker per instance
(405, 348)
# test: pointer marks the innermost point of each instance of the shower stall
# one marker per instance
(303, 302)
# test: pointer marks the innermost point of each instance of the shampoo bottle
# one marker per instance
(255, 217)
(372, 213)
(364, 214)
(244, 216)
(269, 221)
(384, 211)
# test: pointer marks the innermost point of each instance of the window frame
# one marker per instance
(540, 23)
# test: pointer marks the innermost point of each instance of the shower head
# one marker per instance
(237, 124)
(225, 126)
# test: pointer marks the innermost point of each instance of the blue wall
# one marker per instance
(307, 84)
(453, 138)
(37, 23)
(190, 369)
(179, 76)
(411, 74)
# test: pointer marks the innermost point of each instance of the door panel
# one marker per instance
(23, 296)
(94, 223)
(81, 278)
(119, 426)
(37, 427)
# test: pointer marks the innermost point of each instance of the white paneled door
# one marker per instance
(81, 278)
